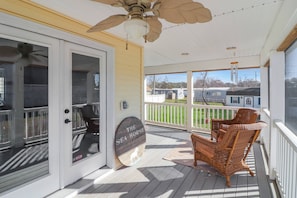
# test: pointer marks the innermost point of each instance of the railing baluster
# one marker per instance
(286, 164)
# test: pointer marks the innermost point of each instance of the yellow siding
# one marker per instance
(128, 73)
(128, 63)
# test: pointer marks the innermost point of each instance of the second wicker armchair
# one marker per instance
(243, 116)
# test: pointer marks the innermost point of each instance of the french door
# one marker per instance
(84, 107)
(29, 112)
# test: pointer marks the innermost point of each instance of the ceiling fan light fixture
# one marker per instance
(136, 28)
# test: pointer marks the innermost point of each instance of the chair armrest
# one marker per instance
(221, 134)
(215, 123)
(202, 140)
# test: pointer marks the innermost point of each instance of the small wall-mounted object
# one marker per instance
(124, 105)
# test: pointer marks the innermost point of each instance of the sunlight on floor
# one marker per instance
(162, 174)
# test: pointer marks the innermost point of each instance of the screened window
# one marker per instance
(291, 88)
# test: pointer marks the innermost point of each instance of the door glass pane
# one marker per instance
(85, 106)
(23, 113)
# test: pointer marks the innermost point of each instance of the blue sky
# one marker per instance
(223, 75)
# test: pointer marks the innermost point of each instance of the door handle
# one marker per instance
(67, 121)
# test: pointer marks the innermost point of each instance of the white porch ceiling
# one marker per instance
(244, 24)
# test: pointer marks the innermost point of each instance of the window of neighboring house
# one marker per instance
(217, 93)
(2, 88)
(235, 100)
(259, 101)
(248, 101)
(291, 88)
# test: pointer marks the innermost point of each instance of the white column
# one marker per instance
(264, 104)
(264, 87)
(277, 102)
(189, 100)
(144, 98)
(18, 131)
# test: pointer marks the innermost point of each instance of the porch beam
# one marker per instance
(189, 100)
(208, 65)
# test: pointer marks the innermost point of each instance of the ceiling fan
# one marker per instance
(145, 13)
(23, 50)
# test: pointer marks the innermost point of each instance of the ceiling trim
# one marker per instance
(219, 64)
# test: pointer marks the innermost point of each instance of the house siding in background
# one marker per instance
(244, 97)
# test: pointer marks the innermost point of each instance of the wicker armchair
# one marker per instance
(228, 155)
(243, 116)
(90, 118)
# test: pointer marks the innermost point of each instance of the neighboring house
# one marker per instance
(213, 94)
(244, 97)
(175, 93)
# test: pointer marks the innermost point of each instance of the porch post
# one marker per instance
(18, 131)
(277, 102)
(144, 99)
(264, 87)
(264, 104)
(189, 100)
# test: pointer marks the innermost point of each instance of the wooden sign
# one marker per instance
(130, 141)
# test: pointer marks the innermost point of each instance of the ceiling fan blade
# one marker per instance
(108, 23)
(34, 58)
(182, 11)
(40, 55)
(155, 28)
(8, 51)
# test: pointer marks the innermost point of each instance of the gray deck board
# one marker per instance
(153, 176)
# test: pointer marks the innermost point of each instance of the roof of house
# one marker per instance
(244, 91)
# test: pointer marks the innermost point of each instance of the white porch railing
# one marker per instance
(166, 114)
(202, 115)
(78, 124)
(5, 127)
(175, 115)
(36, 123)
(286, 164)
(266, 133)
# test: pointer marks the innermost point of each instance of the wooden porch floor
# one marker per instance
(153, 176)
